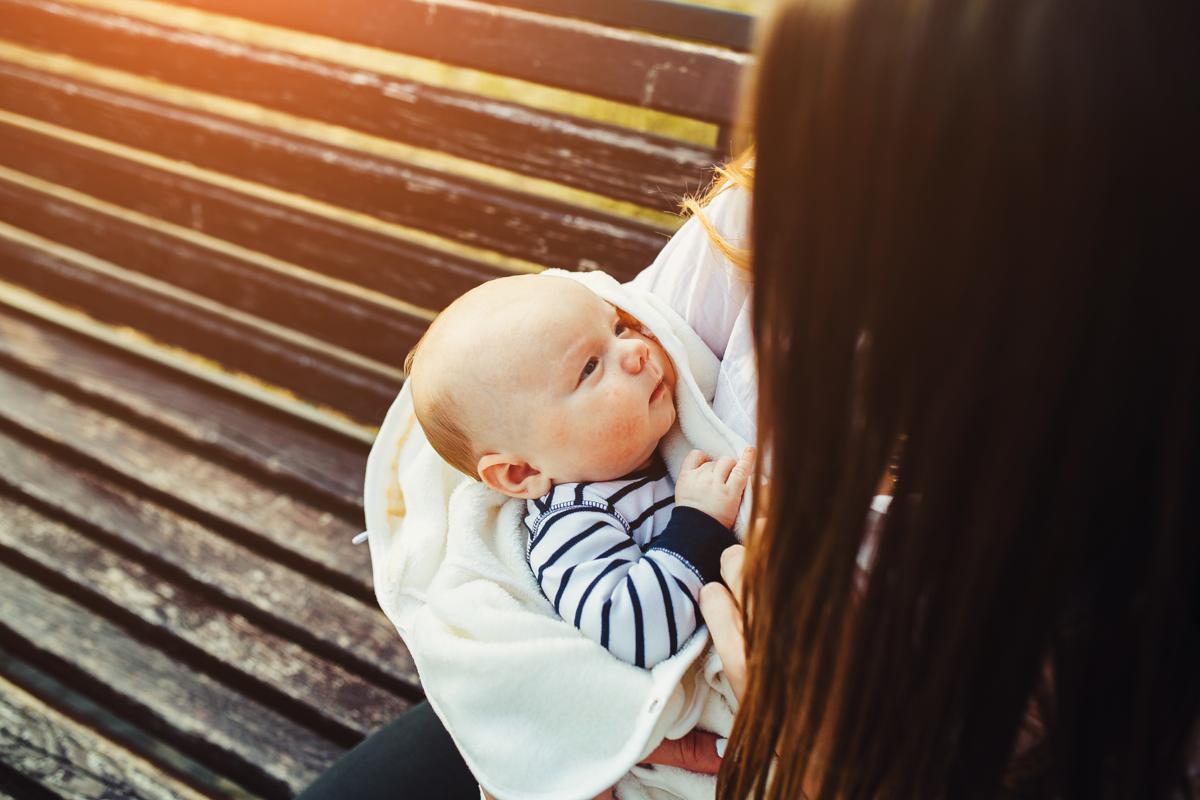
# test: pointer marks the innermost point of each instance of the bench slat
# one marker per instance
(275, 596)
(665, 74)
(478, 214)
(359, 325)
(717, 26)
(287, 527)
(330, 699)
(605, 159)
(315, 464)
(71, 761)
(227, 730)
(210, 332)
(420, 275)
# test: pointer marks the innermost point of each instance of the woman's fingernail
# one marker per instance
(721, 743)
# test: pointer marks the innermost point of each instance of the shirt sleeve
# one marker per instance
(692, 276)
(641, 606)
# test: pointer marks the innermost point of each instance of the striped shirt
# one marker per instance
(620, 561)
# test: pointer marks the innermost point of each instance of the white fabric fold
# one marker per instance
(538, 710)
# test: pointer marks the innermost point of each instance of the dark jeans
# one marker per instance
(411, 758)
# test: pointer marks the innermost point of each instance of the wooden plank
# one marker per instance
(287, 527)
(273, 595)
(104, 293)
(654, 72)
(289, 298)
(327, 697)
(605, 159)
(717, 26)
(67, 760)
(421, 275)
(235, 734)
(294, 456)
(478, 214)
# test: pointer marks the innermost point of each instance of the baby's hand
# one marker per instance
(714, 487)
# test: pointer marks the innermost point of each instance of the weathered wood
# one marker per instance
(311, 463)
(230, 731)
(483, 215)
(672, 18)
(612, 161)
(655, 72)
(69, 761)
(357, 324)
(347, 631)
(422, 276)
(238, 344)
(287, 527)
(328, 698)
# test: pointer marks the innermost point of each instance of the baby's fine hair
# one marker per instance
(439, 418)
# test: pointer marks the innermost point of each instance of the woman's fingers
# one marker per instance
(696, 752)
(723, 616)
(731, 571)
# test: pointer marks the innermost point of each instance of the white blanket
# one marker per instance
(537, 709)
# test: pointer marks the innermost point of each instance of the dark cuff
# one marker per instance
(697, 539)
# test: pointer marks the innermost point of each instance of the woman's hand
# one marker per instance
(696, 752)
(722, 610)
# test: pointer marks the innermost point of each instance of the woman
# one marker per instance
(969, 239)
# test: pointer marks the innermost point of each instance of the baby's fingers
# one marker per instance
(693, 460)
(743, 468)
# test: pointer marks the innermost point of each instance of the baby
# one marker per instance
(545, 392)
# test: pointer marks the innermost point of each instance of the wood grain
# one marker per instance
(227, 730)
(339, 704)
(482, 215)
(275, 357)
(70, 761)
(649, 71)
(311, 463)
(612, 161)
(344, 630)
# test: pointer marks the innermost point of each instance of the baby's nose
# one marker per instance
(635, 356)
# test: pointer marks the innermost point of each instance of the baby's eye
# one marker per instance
(589, 368)
(619, 328)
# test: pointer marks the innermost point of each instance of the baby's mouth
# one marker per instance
(659, 388)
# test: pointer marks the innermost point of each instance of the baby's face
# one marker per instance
(594, 394)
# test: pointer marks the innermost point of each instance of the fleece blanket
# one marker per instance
(538, 710)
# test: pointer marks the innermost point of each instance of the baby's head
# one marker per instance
(532, 380)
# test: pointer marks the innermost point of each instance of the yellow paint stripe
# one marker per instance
(418, 69)
(138, 344)
(267, 262)
(270, 194)
(326, 133)
(185, 297)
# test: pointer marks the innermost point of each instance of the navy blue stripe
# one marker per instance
(562, 586)
(668, 606)
(639, 633)
(650, 512)
(540, 506)
(579, 493)
(604, 623)
(612, 551)
(574, 540)
(566, 512)
(588, 591)
(627, 488)
(688, 593)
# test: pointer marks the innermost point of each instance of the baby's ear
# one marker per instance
(513, 476)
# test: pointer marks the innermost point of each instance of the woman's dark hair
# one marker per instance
(972, 255)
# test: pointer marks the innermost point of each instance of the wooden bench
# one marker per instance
(222, 226)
